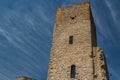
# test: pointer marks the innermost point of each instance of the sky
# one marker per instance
(26, 29)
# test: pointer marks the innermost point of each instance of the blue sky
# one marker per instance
(26, 28)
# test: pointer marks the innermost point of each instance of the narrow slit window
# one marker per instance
(71, 40)
(73, 71)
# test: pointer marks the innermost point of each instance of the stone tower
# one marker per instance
(74, 52)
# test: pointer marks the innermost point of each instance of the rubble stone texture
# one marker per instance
(88, 59)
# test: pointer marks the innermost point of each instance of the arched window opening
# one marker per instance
(73, 71)
(71, 40)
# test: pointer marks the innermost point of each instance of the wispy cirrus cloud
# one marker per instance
(25, 36)
(71, 2)
(113, 11)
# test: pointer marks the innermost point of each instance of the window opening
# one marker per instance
(73, 71)
(71, 40)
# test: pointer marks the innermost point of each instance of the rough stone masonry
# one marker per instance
(74, 53)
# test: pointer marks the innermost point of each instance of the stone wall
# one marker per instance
(100, 64)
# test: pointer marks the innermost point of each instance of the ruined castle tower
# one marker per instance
(74, 52)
